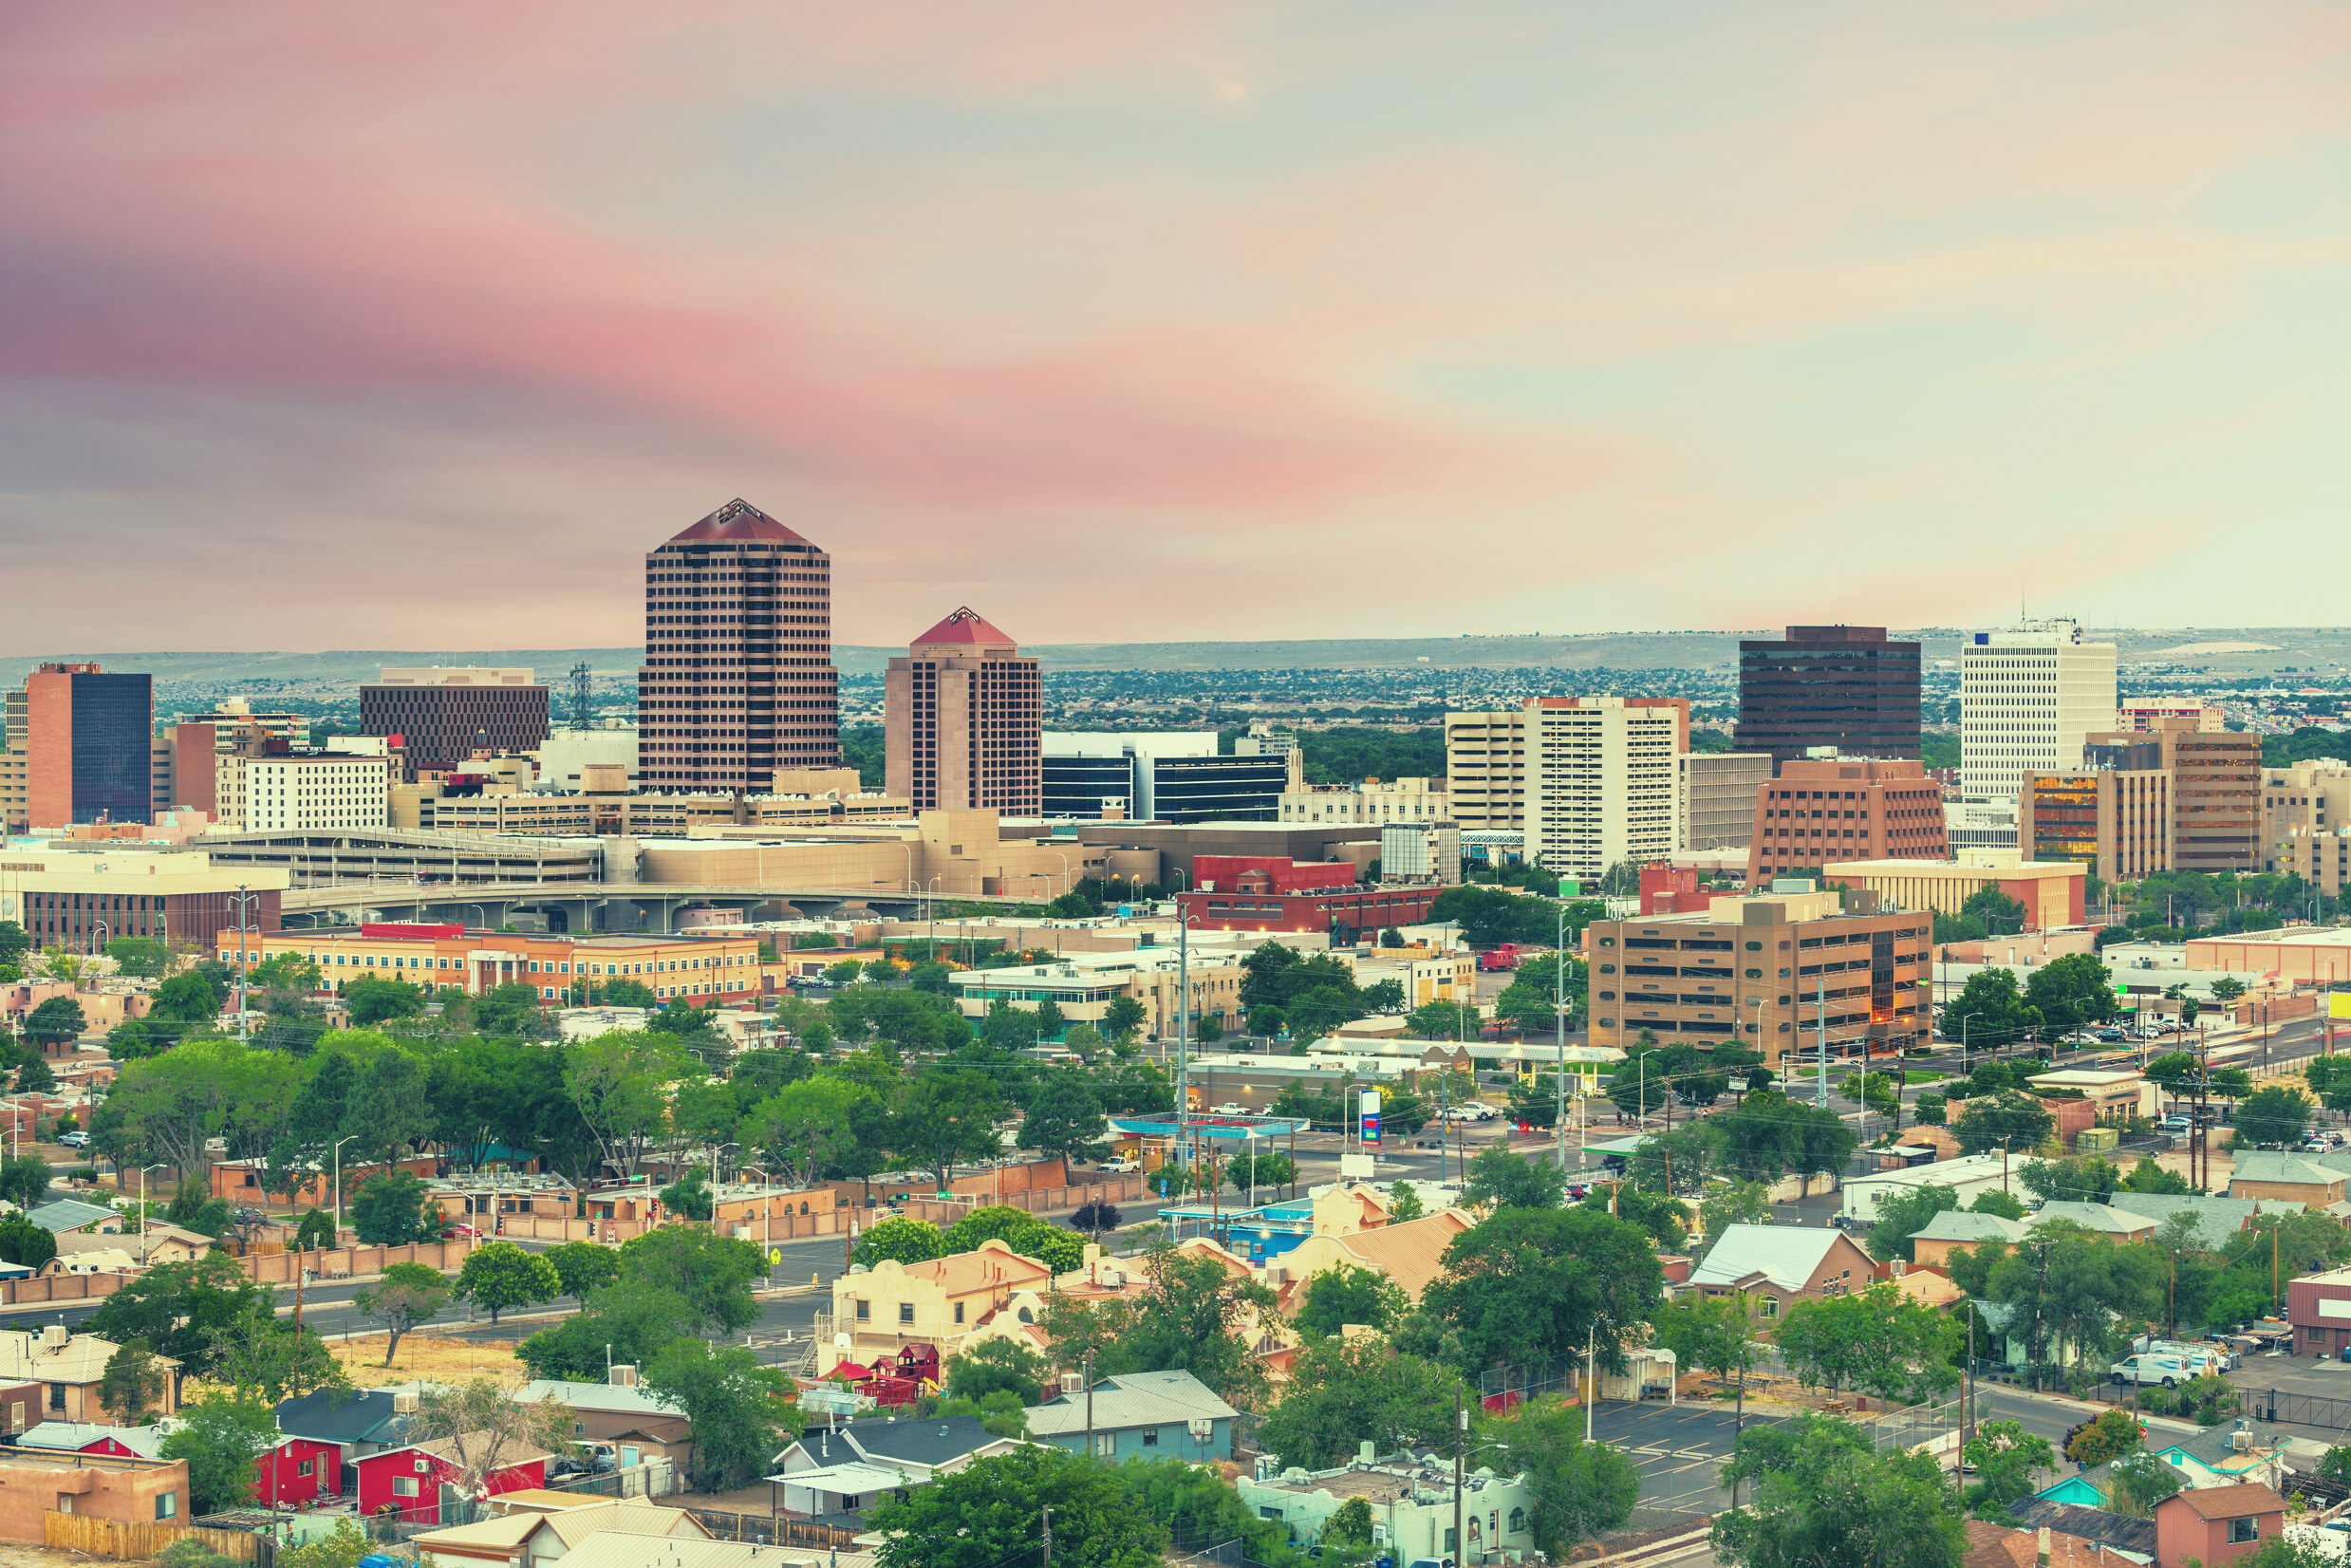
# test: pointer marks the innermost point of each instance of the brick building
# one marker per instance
(737, 681)
(963, 718)
(1817, 812)
(79, 748)
(445, 716)
(2216, 797)
(1269, 893)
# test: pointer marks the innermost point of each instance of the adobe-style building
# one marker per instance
(963, 720)
(1271, 893)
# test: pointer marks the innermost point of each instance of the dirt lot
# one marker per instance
(12, 1556)
(427, 1354)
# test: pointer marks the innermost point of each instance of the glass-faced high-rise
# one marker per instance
(1846, 688)
(738, 684)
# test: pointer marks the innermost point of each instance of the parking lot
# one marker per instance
(1678, 1449)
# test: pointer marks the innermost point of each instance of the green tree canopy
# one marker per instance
(500, 1275)
(1342, 1392)
(2006, 1120)
(991, 1512)
(1528, 1283)
(741, 1412)
(1823, 1498)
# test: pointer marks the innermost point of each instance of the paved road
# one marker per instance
(1679, 1449)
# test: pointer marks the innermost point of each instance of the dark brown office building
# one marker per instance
(443, 716)
(738, 684)
(1842, 686)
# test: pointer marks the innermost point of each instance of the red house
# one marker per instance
(300, 1470)
(408, 1482)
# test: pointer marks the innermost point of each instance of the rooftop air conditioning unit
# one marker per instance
(1072, 1383)
(622, 1377)
(403, 1403)
(424, 1466)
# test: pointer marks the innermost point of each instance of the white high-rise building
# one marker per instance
(1594, 778)
(2028, 698)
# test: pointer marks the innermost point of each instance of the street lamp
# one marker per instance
(338, 1158)
(142, 1205)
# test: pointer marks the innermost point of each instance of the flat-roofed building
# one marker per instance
(2029, 697)
(1845, 687)
(1715, 798)
(2216, 788)
(445, 716)
(2051, 891)
(700, 971)
(1592, 780)
(81, 899)
(1771, 970)
(1374, 801)
(2117, 821)
(1843, 808)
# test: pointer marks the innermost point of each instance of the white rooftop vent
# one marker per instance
(1072, 1383)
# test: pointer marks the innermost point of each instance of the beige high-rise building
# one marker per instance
(2305, 822)
(2216, 789)
(1592, 780)
(2029, 697)
(963, 722)
(1715, 796)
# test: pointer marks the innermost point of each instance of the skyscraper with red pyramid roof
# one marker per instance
(962, 715)
(738, 684)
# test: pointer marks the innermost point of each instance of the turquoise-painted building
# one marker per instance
(1140, 1415)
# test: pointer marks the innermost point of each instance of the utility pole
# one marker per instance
(1822, 1002)
(1048, 1560)
(1461, 1426)
(1090, 1405)
(1558, 1018)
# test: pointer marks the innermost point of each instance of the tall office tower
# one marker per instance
(1716, 798)
(2213, 785)
(2029, 699)
(962, 719)
(85, 751)
(1842, 686)
(738, 684)
(1592, 780)
(443, 716)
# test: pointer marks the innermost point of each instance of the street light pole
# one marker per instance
(338, 1157)
(1558, 1019)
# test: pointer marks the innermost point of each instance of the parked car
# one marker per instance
(1232, 1108)
(2111, 1034)
(74, 1140)
(2176, 1123)
(1122, 1164)
(1474, 1112)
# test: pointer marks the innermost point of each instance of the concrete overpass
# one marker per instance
(581, 906)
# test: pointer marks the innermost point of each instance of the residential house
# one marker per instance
(70, 1366)
(109, 1259)
(1956, 1227)
(2115, 1225)
(67, 1215)
(2319, 1307)
(2116, 1532)
(1100, 1280)
(2246, 1451)
(296, 1471)
(365, 1423)
(1409, 1255)
(2260, 1173)
(939, 1302)
(128, 1490)
(828, 1474)
(1970, 1176)
(1139, 1415)
(2217, 1524)
(529, 1538)
(1780, 1266)
(2218, 1219)
(2001, 1546)
(407, 1481)
(637, 1421)
(89, 1437)
(1411, 1502)
(160, 1243)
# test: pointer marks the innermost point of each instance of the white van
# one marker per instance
(2156, 1367)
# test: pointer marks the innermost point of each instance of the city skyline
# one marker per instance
(374, 322)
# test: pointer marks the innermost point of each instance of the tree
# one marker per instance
(631, 1325)
(1581, 1489)
(2138, 1481)
(629, 993)
(2004, 1204)
(142, 957)
(2006, 1120)
(992, 1511)
(375, 1000)
(2070, 991)
(2275, 1116)
(909, 1241)
(1249, 1171)
(582, 1267)
(946, 1119)
(1769, 1133)
(1528, 1283)
(1989, 1013)
(1713, 1332)
(711, 1273)
(2082, 1179)
(55, 1021)
(2006, 1458)
(996, 1366)
(1903, 1216)
(34, 1077)
(180, 1308)
(2111, 1435)
(1665, 1220)
(134, 1383)
(741, 1412)
(1188, 1317)
(1342, 1392)
(409, 1294)
(1064, 1119)
(1337, 1296)
(1737, 1203)
(618, 1082)
(1878, 1339)
(1875, 1091)
(25, 1181)
(392, 1209)
(690, 1194)
(316, 1231)
(501, 1275)
(222, 1438)
(806, 1126)
(2226, 989)
(482, 1429)
(1123, 1018)
(21, 1241)
(1498, 1177)
(1825, 1500)
(1404, 1203)
(388, 1108)
(2068, 1287)
(189, 997)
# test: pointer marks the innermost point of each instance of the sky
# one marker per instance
(414, 326)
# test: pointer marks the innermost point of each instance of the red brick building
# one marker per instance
(1844, 809)
(1267, 893)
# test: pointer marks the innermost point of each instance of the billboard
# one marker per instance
(1368, 1110)
(2339, 1004)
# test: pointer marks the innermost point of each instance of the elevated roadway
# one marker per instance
(589, 905)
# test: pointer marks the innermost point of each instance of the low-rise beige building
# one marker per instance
(2051, 891)
(938, 1302)
(70, 1367)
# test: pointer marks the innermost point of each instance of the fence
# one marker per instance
(135, 1541)
(768, 1530)
(2275, 1405)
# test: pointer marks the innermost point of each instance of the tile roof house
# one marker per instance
(1409, 1255)
(71, 1366)
(525, 1539)
(1999, 1546)
(1780, 1266)
(2217, 1524)
(1139, 1415)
